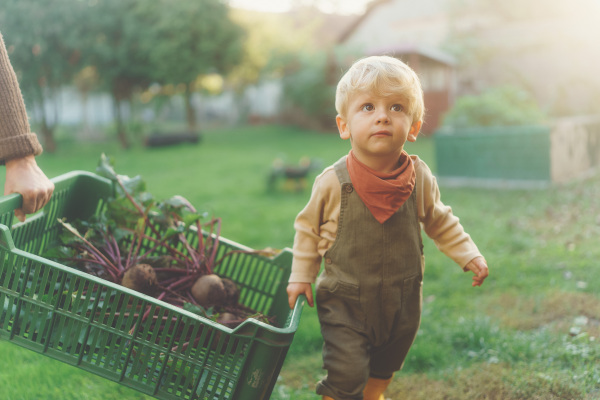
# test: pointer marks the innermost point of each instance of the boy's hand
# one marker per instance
(479, 267)
(295, 289)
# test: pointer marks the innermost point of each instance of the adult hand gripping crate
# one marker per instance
(98, 326)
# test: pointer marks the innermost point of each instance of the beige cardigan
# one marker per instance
(316, 225)
(16, 138)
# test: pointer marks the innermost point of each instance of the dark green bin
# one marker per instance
(96, 325)
(514, 153)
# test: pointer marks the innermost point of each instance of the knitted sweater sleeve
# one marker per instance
(316, 227)
(16, 138)
(439, 223)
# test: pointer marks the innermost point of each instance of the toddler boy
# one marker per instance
(364, 219)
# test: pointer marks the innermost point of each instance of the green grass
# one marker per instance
(531, 332)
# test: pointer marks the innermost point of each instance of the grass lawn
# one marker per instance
(531, 332)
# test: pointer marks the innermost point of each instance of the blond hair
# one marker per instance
(384, 76)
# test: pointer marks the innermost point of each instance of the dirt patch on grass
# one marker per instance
(483, 382)
(559, 310)
(420, 387)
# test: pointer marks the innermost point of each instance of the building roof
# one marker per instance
(351, 27)
(431, 53)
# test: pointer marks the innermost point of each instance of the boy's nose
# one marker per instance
(383, 118)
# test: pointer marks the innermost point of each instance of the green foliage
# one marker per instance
(111, 31)
(505, 105)
(42, 43)
(188, 38)
(128, 44)
(44, 52)
(271, 42)
(309, 90)
(133, 217)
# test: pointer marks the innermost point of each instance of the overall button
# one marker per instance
(349, 188)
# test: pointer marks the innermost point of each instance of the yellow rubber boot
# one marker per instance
(375, 388)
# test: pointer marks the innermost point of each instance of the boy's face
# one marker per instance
(378, 127)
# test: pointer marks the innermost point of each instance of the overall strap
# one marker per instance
(342, 171)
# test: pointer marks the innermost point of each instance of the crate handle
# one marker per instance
(6, 240)
(8, 205)
(11, 201)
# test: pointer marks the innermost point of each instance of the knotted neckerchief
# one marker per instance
(383, 193)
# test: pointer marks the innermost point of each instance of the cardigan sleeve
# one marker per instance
(16, 138)
(316, 227)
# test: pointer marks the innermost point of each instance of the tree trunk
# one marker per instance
(85, 119)
(46, 130)
(48, 135)
(189, 109)
(121, 132)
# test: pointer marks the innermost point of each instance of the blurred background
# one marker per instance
(102, 69)
(213, 99)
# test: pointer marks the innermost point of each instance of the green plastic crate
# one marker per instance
(96, 325)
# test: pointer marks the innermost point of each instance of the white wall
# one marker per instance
(261, 100)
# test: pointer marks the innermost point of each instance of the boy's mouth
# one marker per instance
(381, 133)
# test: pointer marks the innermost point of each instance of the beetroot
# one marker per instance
(232, 293)
(141, 277)
(227, 318)
(164, 249)
(209, 290)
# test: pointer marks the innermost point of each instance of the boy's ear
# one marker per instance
(414, 131)
(342, 127)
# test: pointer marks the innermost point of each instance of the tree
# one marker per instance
(188, 39)
(114, 32)
(309, 91)
(282, 46)
(43, 51)
(272, 42)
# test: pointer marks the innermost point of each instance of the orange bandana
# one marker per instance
(383, 193)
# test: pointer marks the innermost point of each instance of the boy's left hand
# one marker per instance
(479, 267)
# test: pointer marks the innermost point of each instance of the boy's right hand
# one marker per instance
(295, 289)
(479, 267)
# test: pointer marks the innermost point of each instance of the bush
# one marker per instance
(505, 105)
(309, 92)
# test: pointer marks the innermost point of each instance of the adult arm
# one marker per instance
(18, 145)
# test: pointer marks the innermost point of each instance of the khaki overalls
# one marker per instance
(370, 293)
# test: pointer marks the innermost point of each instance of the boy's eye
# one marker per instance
(368, 107)
(397, 107)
